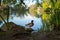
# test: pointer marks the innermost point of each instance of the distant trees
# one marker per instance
(33, 10)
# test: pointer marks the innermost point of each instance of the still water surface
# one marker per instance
(25, 20)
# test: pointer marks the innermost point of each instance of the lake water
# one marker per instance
(25, 20)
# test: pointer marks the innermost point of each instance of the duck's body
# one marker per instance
(30, 24)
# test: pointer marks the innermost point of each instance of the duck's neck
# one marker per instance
(31, 22)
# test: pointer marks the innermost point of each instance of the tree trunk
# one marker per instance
(0, 2)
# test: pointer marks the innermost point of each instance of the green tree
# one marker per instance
(7, 9)
(51, 8)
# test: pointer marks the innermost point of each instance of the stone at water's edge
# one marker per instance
(13, 27)
(16, 28)
(16, 33)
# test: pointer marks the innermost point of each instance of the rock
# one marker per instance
(13, 27)
(29, 30)
(18, 33)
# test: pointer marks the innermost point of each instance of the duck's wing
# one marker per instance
(28, 24)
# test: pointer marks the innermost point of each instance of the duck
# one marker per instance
(30, 24)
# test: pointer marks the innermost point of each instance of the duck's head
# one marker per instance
(32, 21)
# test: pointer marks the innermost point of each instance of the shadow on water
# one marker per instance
(0, 22)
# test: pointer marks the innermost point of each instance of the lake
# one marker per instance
(25, 20)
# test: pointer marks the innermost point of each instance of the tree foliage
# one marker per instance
(5, 8)
(50, 14)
